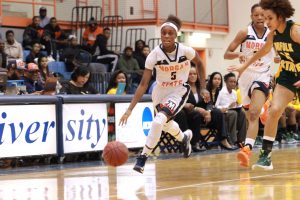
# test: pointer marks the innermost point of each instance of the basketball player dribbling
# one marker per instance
(171, 60)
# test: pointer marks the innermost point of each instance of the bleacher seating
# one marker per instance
(60, 67)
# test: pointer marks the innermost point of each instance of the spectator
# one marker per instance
(90, 34)
(70, 52)
(35, 34)
(138, 53)
(105, 56)
(12, 48)
(31, 79)
(235, 115)
(15, 72)
(214, 85)
(3, 55)
(43, 16)
(117, 77)
(43, 69)
(58, 37)
(201, 111)
(79, 83)
(35, 53)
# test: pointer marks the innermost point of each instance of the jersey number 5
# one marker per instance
(173, 75)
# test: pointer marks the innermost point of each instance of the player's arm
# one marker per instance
(262, 52)
(295, 35)
(238, 40)
(200, 70)
(138, 94)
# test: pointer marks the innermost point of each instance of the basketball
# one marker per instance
(115, 153)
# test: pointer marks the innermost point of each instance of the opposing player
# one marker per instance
(254, 82)
(171, 60)
(285, 37)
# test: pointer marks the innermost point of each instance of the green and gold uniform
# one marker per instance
(289, 52)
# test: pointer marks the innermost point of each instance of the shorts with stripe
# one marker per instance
(251, 80)
(170, 100)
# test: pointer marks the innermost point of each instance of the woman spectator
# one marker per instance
(117, 77)
(201, 111)
(79, 83)
(214, 85)
(43, 68)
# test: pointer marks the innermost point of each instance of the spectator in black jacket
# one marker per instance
(105, 56)
(35, 34)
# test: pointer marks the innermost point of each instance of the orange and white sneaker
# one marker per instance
(244, 156)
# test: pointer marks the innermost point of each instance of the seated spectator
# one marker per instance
(79, 83)
(117, 77)
(15, 71)
(138, 53)
(3, 55)
(58, 37)
(214, 85)
(31, 79)
(43, 16)
(129, 65)
(90, 35)
(201, 111)
(34, 54)
(12, 48)
(235, 115)
(70, 52)
(43, 69)
(35, 34)
(105, 56)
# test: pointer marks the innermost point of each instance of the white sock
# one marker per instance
(269, 138)
(155, 132)
(250, 141)
(173, 128)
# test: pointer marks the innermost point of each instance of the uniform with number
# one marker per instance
(172, 71)
(289, 52)
(257, 75)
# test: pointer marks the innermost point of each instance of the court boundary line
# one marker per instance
(217, 182)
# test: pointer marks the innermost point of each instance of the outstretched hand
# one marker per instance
(124, 118)
(236, 68)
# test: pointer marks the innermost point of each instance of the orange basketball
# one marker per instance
(115, 153)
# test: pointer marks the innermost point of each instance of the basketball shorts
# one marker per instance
(170, 100)
(251, 80)
(287, 79)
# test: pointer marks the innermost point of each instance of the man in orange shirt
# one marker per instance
(90, 34)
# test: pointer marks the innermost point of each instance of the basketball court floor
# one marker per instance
(209, 175)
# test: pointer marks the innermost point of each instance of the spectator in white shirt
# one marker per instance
(235, 115)
(12, 48)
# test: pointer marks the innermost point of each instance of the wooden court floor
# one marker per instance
(202, 176)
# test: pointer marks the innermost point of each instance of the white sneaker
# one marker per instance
(186, 143)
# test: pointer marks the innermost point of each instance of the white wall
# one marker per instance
(239, 18)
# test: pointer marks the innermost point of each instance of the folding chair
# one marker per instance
(207, 137)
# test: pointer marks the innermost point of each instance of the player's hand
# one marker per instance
(242, 57)
(124, 118)
(237, 68)
(297, 84)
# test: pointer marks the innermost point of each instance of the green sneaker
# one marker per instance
(264, 161)
(258, 141)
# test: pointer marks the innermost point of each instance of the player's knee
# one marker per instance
(253, 114)
(172, 128)
(275, 112)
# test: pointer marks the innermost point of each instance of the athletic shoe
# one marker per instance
(244, 156)
(264, 161)
(258, 141)
(186, 146)
(288, 138)
(140, 163)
